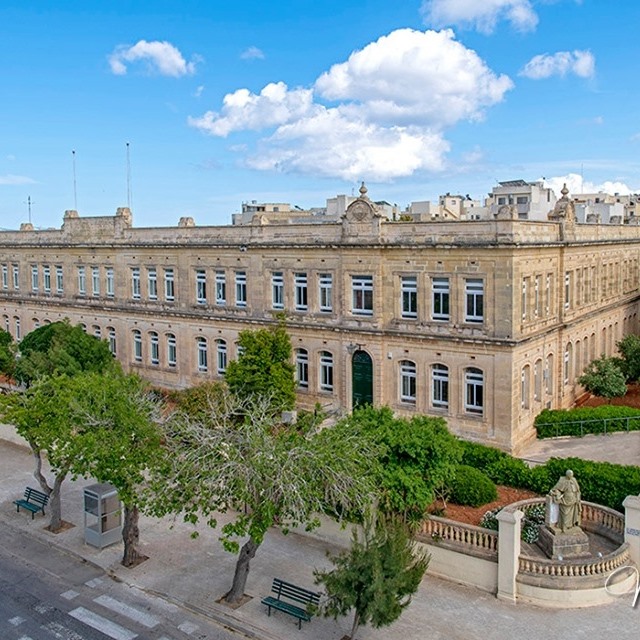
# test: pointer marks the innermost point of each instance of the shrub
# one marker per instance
(489, 520)
(472, 487)
(577, 422)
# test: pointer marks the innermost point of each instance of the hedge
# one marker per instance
(471, 487)
(600, 482)
(578, 422)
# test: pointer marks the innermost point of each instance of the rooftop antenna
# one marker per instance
(75, 191)
(29, 202)
(128, 178)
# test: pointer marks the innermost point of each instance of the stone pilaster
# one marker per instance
(631, 506)
(509, 525)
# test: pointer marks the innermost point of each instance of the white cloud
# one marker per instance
(413, 77)
(388, 106)
(198, 92)
(10, 179)
(252, 53)
(482, 15)
(579, 63)
(161, 57)
(576, 185)
(273, 106)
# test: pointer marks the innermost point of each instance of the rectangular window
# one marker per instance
(201, 287)
(409, 287)
(203, 364)
(325, 287)
(5, 276)
(59, 279)
(221, 288)
(440, 303)
(136, 293)
(82, 281)
(474, 300)
(567, 289)
(112, 340)
(221, 349)
(152, 283)
(302, 301)
(536, 297)
(46, 278)
(95, 280)
(362, 295)
(277, 290)
(474, 391)
(16, 276)
(154, 342)
(169, 288)
(34, 277)
(523, 301)
(110, 282)
(241, 289)
(137, 346)
(547, 295)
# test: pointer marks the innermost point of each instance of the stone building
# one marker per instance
(482, 322)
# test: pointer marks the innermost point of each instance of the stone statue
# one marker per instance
(566, 494)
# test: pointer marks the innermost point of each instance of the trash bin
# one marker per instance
(102, 515)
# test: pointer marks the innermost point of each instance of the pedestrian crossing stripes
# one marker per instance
(109, 628)
(144, 618)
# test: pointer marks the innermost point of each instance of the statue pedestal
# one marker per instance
(563, 546)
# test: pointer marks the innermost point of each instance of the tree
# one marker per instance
(603, 378)
(7, 353)
(376, 577)
(417, 457)
(98, 425)
(264, 367)
(242, 458)
(629, 348)
(120, 440)
(59, 348)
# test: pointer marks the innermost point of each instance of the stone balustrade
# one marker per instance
(577, 567)
(464, 538)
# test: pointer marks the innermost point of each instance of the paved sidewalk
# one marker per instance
(196, 573)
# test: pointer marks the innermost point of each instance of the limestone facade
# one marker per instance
(482, 322)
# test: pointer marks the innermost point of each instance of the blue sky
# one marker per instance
(297, 101)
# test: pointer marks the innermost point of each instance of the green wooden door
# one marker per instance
(362, 378)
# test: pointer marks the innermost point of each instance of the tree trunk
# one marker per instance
(247, 552)
(55, 505)
(37, 474)
(354, 627)
(131, 537)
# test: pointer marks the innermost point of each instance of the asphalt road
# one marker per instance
(46, 594)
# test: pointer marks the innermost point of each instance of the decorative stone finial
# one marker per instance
(363, 190)
(186, 221)
(564, 191)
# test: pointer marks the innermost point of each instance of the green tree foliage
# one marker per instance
(242, 458)
(603, 378)
(471, 487)
(629, 348)
(59, 348)
(7, 353)
(264, 367)
(417, 456)
(376, 577)
(90, 424)
(200, 401)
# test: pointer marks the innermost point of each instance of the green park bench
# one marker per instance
(290, 591)
(33, 501)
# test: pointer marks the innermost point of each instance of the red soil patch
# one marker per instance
(473, 515)
(631, 399)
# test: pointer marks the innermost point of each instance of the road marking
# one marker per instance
(16, 621)
(69, 595)
(62, 633)
(43, 608)
(134, 614)
(188, 627)
(111, 629)
(93, 583)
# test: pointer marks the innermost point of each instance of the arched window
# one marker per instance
(203, 364)
(111, 333)
(440, 386)
(537, 381)
(18, 332)
(568, 353)
(35, 322)
(97, 331)
(137, 345)
(576, 359)
(221, 351)
(302, 368)
(7, 324)
(408, 381)
(525, 386)
(172, 350)
(154, 348)
(549, 374)
(473, 391)
(326, 371)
